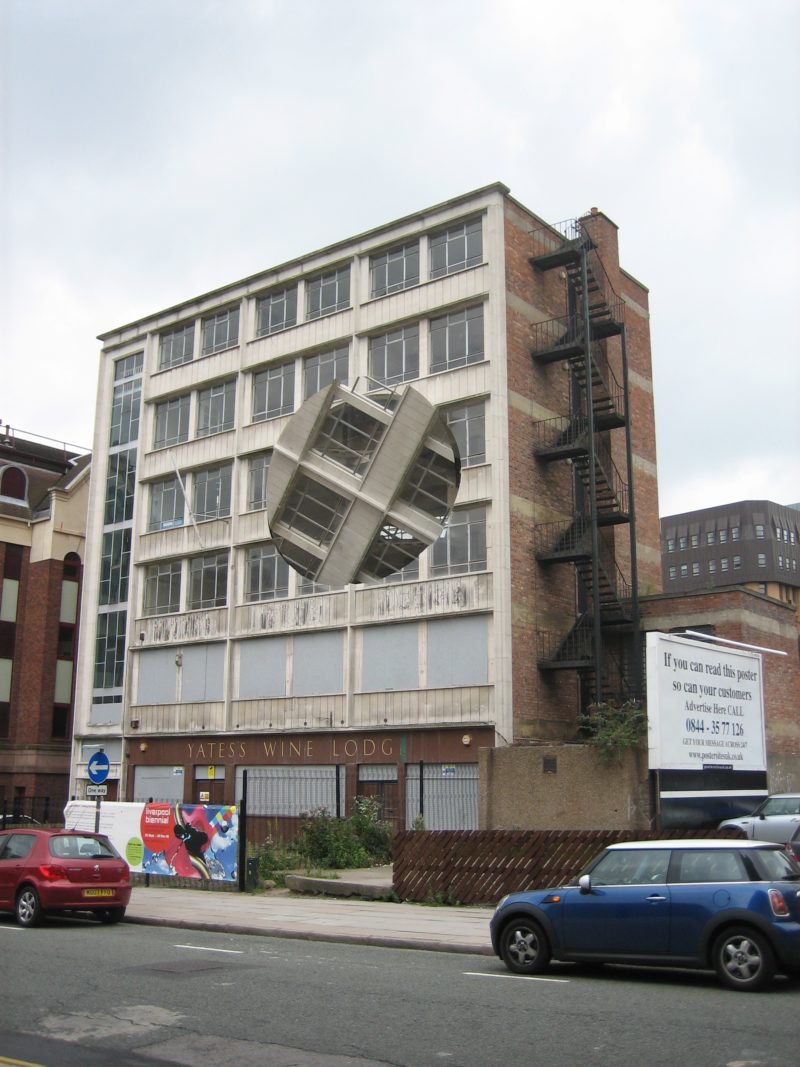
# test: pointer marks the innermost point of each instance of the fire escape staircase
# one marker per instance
(605, 599)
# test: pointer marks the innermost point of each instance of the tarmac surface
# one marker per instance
(345, 909)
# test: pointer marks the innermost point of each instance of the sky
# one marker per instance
(154, 150)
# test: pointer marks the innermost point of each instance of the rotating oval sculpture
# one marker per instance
(357, 489)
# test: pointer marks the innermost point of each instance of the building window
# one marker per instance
(394, 356)
(456, 339)
(397, 269)
(267, 574)
(221, 331)
(349, 436)
(176, 347)
(780, 562)
(670, 544)
(778, 533)
(115, 562)
(109, 658)
(276, 311)
(734, 533)
(762, 588)
(759, 531)
(328, 293)
(695, 569)
(120, 487)
(128, 366)
(125, 413)
(682, 543)
(314, 510)
(208, 581)
(455, 249)
(273, 392)
(468, 425)
(166, 505)
(172, 421)
(462, 545)
(694, 540)
(211, 492)
(323, 368)
(13, 484)
(712, 566)
(215, 408)
(162, 588)
(430, 485)
(723, 563)
(684, 570)
(59, 726)
(394, 554)
(737, 563)
(711, 537)
(673, 573)
(762, 559)
(257, 471)
(723, 536)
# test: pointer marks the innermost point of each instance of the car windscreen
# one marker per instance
(773, 864)
(79, 846)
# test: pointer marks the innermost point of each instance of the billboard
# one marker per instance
(705, 706)
(188, 840)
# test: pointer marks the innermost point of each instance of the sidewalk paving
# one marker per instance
(343, 917)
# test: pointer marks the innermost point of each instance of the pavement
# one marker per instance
(348, 908)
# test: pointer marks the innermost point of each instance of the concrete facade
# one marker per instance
(187, 657)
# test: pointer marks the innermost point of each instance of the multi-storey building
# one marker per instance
(205, 655)
(754, 543)
(44, 492)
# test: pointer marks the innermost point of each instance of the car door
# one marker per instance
(627, 910)
(14, 848)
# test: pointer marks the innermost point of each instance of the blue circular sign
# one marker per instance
(98, 768)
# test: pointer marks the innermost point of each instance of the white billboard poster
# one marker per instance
(705, 706)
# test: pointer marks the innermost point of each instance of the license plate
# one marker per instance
(98, 892)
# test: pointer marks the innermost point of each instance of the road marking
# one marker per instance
(203, 948)
(19, 1063)
(524, 977)
(12, 930)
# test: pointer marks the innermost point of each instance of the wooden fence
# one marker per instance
(481, 866)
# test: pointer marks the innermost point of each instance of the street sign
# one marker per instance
(96, 790)
(98, 768)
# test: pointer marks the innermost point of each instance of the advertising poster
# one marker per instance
(187, 840)
(705, 706)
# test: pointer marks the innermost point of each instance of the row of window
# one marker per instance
(209, 491)
(456, 339)
(454, 249)
(460, 549)
(724, 565)
(713, 537)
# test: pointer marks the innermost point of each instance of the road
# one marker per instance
(77, 994)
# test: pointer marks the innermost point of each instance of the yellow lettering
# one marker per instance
(350, 747)
(386, 747)
(269, 749)
(294, 749)
(369, 747)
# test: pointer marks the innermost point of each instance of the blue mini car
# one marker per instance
(731, 906)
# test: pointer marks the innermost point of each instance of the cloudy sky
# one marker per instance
(156, 149)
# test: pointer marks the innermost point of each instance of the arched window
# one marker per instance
(13, 483)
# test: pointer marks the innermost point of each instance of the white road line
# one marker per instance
(12, 930)
(516, 977)
(202, 948)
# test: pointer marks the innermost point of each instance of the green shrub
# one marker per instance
(612, 727)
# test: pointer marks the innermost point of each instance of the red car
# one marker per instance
(44, 871)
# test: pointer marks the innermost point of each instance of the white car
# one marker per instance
(775, 819)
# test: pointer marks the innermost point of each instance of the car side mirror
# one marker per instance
(585, 883)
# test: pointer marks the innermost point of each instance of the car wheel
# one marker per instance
(524, 947)
(111, 915)
(743, 959)
(28, 908)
